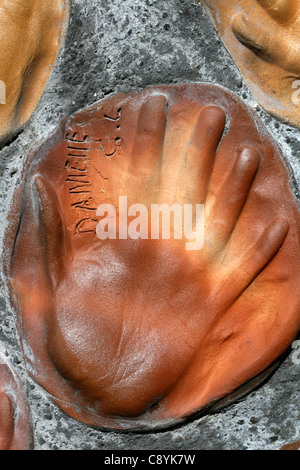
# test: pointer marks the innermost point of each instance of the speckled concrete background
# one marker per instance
(124, 45)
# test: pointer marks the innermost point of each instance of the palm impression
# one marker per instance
(31, 32)
(137, 331)
(263, 37)
(15, 423)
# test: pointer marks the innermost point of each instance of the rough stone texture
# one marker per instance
(128, 45)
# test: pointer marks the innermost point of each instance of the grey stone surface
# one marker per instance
(125, 45)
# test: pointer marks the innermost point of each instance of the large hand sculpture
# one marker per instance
(141, 333)
(263, 37)
(15, 426)
(30, 36)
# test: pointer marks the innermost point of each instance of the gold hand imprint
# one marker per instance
(276, 41)
(263, 37)
(30, 37)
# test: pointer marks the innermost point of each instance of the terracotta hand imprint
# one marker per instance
(263, 37)
(15, 426)
(30, 35)
(140, 333)
(292, 446)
